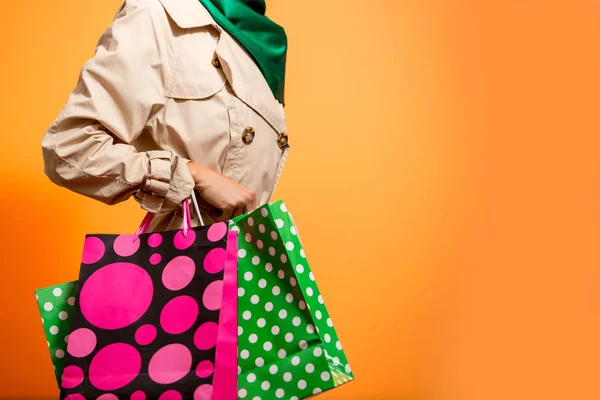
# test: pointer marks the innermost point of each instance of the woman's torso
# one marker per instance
(219, 109)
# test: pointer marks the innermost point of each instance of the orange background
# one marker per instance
(444, 176)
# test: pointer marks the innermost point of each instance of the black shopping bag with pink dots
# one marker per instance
(148, 315)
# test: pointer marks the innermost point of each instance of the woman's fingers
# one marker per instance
(227, 214)
(238, 211)
(250, 200)
(216, 215)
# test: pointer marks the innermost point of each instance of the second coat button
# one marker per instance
(248, 135)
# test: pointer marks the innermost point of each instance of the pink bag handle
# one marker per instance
(187, 219)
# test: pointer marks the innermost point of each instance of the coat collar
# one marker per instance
(188, 13)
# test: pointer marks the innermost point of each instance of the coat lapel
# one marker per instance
(248, 82)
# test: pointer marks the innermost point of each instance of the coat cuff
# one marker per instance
(167, 183)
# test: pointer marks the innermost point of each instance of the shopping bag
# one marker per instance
(56, 304)
(147, 320)
(287, 344)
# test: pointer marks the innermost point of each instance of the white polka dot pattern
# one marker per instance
(55, 304)
(287, 340)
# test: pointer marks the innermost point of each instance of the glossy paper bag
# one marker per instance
(288, 347)
(147, 315)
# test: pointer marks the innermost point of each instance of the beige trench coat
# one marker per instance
(166, 85)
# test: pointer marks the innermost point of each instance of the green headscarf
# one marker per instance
(263, 39)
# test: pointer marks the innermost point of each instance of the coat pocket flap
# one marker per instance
(194, 75)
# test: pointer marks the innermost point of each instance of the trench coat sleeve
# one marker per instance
(88, 149)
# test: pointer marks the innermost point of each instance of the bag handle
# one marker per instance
(187, 219)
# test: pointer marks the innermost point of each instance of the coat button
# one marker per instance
(282, 140)
(248, 135)
(215, 62)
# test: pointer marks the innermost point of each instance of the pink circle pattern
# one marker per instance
(206, 336)
(120, 304)
(125, 246)
(114, 366)
(170, 363)
(179, 314)
(138, 395)
(81, 343)
(126, 300)
(204, 369)
(154, 241)
(170, 395)
(203, 392)
(155, 258)
(93, 250)
(72, 376)
(75, 396)
(178, 273)
(217, 231)
(181, 242)
(212, 295)
(145, 334)
(215, 260)
(107, 396)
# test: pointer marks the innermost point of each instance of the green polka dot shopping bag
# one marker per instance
(287, 345)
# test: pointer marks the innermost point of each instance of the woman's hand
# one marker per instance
(224, 194)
